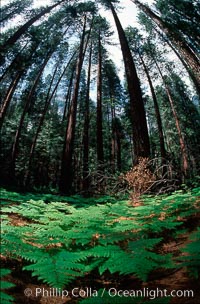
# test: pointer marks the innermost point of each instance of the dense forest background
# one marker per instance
(70, 122)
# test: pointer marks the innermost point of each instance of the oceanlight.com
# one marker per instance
(112, 293)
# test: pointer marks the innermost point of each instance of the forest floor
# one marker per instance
(178, 279)
(173, 280)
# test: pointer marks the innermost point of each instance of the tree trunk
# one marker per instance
(113, 148)
(66, 177)
(41, 121)
(185, 164)
(118, 148)
(157, 112)
(8, 97)
(113, 136)
(86, 180)
(139, 123)
(116, 162)
(26, 106)
(185, 64)
(182, 60)
(13, 86)
(33, 145)
(100, 152)
(68, 96)
(186, 52)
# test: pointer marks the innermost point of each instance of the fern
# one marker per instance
(57, 268)
(192, 257)
(61, 242)
(138, 260)
(4, 297)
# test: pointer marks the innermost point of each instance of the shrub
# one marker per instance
(140, 179)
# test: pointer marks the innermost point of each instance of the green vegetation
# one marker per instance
(60, 242)
(4, 297)
(192, 260)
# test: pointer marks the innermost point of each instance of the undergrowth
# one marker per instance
(4, 297)
(61, 241)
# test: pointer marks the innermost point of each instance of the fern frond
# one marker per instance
(192, 259)
(138, 260)
(57, 268)
(4, 297)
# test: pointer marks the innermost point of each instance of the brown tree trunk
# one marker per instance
(66, 177)
(68, 96)
(118, 149)
(185, 164)
(139, 123)
(116, 162)
(185, 64)
(11, 90)
(33, 145)
(186, 52)
(26, 106)
(86, 179)
(182, 60)
(8, 97)
(157, 112)
(113, 136)
(41, 121)
(100, 152)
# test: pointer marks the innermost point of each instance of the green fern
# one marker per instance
(57, 268)
(138, 259)
(61, 242)
(192, 258)
(4, 297)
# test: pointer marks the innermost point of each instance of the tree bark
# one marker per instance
(113, 133)
(13, 86)
(157, 112)
(116, 162)
(9, 95)
(118, 148)
(68, 96)
(190, 72)
(26, 106)
(182, 60)
(33, 145)
(139, 123)
(183, 148)
(42, 118)
(100, 152)
(66, 177)
(113, 146)
(86, 180)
